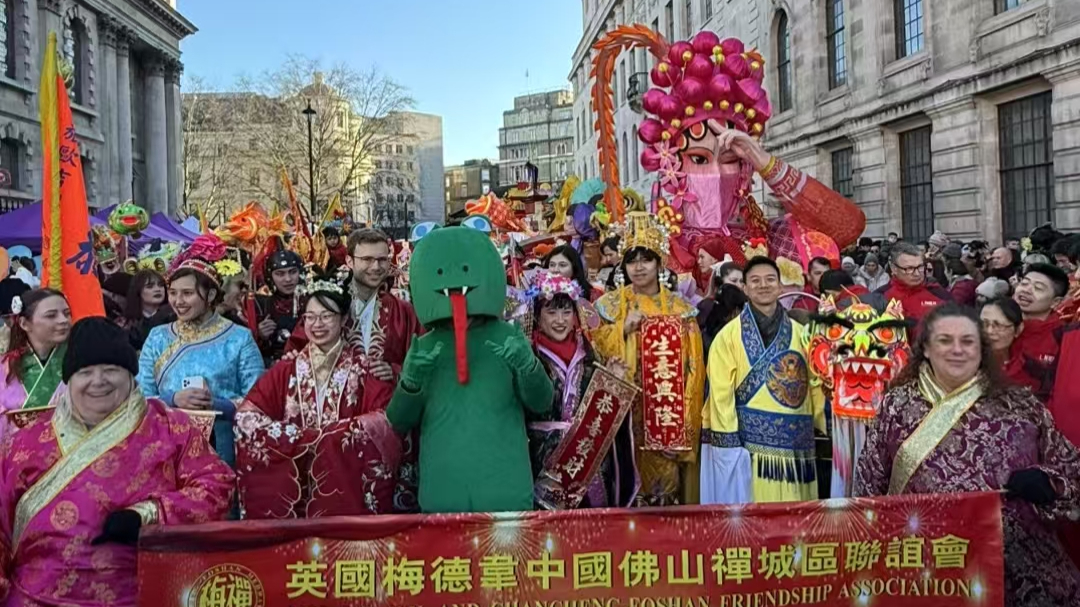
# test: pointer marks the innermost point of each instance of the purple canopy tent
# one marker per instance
(23, 227)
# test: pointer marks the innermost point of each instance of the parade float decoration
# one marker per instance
(854, 352)
(703, 87)
(128, 219)
(156, 255)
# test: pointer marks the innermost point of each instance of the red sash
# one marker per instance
(663, 380)
(572, 466)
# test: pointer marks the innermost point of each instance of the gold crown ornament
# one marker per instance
(643, 230)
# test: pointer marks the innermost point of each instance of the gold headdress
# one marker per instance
(643, 230)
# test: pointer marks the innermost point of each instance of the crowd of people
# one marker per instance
(343, 373)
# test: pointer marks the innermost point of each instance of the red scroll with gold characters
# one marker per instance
(663, 379)
(574, 463)
(903, 551)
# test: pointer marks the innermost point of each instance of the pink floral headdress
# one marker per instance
(547, 285)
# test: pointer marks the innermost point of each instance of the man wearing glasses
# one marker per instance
(908, 283)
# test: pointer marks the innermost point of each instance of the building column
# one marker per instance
(107, 107)
(1064, 109)
(961, 199)
(174, 139)
(123, 117)
(875, 180)
(157, 155)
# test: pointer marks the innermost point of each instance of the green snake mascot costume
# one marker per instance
(468, 381)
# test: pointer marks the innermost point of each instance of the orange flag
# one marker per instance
(67, 252)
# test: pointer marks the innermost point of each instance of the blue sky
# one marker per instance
(462, 59)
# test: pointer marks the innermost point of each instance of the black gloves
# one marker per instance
(121, 527)
(1032, 485)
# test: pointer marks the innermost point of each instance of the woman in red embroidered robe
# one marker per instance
(311, 437)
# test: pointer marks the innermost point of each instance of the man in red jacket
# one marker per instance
(908, 284)
(1033, 357)
(1065, 407)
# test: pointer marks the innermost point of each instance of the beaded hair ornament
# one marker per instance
(322, 285)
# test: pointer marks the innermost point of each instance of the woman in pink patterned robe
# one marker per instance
(78, 481)
(311, 437)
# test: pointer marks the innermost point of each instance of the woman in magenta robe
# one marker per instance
(950, 425)
(311, 437)
(78, 481)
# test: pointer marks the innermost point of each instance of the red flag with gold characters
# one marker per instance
(67, 253)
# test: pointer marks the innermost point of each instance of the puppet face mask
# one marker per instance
(856, 352)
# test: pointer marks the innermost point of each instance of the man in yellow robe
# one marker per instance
(758, 428)
(668, 477)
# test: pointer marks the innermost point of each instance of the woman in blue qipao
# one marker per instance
(200, 362)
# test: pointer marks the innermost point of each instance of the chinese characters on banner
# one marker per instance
(917, 550)
(571, 467)
(662, 381)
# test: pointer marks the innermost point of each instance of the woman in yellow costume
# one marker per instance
(655, 334)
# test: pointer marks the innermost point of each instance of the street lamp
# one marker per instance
(310, 113)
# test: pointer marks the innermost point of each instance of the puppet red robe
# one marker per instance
(313, 441)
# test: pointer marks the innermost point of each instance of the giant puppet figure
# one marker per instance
(467, 382)
(854, 352)
(705, 119)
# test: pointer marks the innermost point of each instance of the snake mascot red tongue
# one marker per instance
(471, 403)
(854, 352)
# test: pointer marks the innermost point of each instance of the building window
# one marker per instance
(634, 162)
(669, 21)
(75, 47)
(1027, 164)
(909, 27)
(10, 167)
(688, 21)
(397, 149)
(706, 9)
(341, 120)
(409, 165)
(834, 40)
(1000, 6)
(623, 151)
(783, 62)
(253, 177)
(7, 38)
(409, 149)
(378, 164)
(841, 173)
(916, 185)
(463, 190)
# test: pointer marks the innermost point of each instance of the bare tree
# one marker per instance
(357, 114)
(211, 167)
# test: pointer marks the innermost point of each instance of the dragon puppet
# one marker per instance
(497, 211)
(705, 116)
(854, 352)
(468, 380)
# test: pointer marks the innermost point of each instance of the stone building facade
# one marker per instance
(469, 181)
(537, 130)
(408, 178)
(125, 98)
(956, 115)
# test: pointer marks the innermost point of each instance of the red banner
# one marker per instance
(915, 550)
(662, 381)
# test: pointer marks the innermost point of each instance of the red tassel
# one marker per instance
(461, 325)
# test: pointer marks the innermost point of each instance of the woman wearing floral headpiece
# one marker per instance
(569, 360)
(30, 372)
(312, 439)
(201, 362)
(667, 416)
